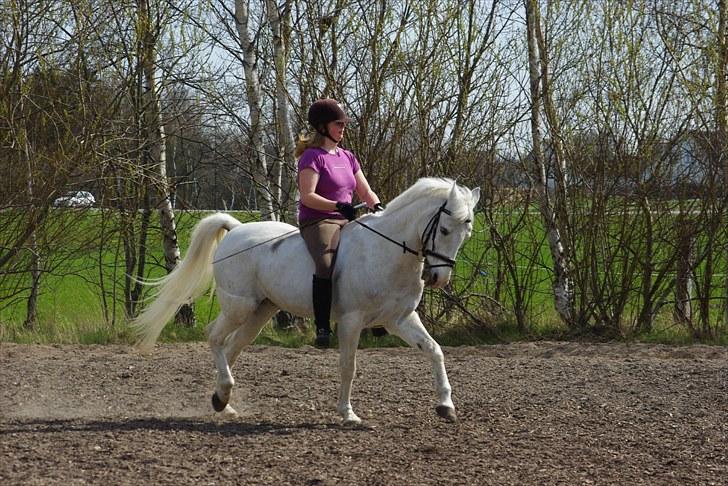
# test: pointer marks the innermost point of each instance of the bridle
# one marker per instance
(427, 238)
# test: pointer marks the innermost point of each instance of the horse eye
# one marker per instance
(445, 231)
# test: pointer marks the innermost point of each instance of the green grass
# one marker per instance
(71, 310)
(78, 331)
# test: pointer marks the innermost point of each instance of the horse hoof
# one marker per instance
(351, 422)
(230, 412)
(218, 404)
(447, 413)
(357, 425)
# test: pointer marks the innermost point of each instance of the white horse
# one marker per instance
(262, 267)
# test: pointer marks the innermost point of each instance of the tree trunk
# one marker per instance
(686, 259)
(157, 147)
(31, 316)
(279, 24)
(649, 304)
(721, 117)
(538, 73)
(252, 88)
(279, 20)
(721, 90)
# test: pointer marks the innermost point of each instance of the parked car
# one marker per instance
(76, 199)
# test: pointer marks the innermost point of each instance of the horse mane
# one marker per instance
(433, 187)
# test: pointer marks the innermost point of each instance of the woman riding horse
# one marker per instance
(327, 176)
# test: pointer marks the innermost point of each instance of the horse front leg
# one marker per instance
(348, 343)
(411, 330)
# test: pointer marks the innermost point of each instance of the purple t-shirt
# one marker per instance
(336, 179)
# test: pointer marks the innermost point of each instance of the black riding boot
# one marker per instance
(322, 310)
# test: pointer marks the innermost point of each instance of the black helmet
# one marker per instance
(325, 111)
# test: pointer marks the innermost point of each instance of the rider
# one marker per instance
(327, 177)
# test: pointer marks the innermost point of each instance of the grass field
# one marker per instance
(81, 297)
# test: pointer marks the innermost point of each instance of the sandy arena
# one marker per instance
(536, 413)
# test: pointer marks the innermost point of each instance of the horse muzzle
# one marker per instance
(434, 278)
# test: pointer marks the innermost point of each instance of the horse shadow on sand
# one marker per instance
(230, 428)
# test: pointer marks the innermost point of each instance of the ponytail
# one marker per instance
(307, 140)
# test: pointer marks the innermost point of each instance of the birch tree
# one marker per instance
(279, 19)
(554, 220)
(35, 253)
(156, 143)
(254, 99)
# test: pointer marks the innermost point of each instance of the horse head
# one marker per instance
(445, 232)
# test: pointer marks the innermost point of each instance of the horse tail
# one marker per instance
(190, 279)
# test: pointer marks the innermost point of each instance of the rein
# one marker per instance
(428, 236)
(284, 235)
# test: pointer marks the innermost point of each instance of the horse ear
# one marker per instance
(453, 195)
(474, 197)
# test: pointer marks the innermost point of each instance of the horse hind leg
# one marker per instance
(248, 331)
(227, 337)
(217, 332)
(348, 342)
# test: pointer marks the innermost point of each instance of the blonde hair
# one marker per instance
(308, 140)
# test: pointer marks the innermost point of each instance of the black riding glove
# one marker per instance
(347, 210)
(379, 207)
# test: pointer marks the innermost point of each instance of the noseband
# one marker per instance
(428, 237)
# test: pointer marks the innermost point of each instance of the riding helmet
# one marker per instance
(325, 111)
